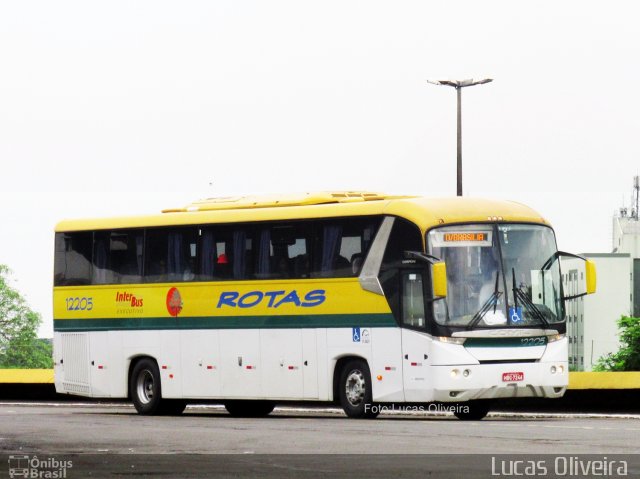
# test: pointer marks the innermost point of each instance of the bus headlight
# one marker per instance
(554, 337)
(450, 340)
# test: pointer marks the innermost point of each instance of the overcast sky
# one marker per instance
(110, 108)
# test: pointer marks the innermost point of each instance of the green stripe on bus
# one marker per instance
(227, 322)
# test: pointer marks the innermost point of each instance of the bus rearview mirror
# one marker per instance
(439, 276)
(577, 266)
(590, 276)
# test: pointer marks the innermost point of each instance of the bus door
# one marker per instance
(415, 342)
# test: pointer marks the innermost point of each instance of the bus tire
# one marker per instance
(145, 387)
(354, 388)
(472, 410)
(248, 408)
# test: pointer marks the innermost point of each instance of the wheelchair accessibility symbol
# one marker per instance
(515, 315)
(355, 334)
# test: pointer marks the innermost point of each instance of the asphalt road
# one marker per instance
(114, 435)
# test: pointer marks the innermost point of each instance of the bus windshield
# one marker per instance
(498, 276)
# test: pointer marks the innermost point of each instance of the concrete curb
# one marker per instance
(606, 380)
(26, 376)
(577, 380)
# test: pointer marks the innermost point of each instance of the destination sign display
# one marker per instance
(460, 238)
(465, 237)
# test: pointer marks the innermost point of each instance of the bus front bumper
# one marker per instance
(504, 380)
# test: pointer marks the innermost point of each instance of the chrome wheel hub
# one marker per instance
(355, 387)
(145, 387)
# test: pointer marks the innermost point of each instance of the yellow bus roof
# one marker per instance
(424, 212)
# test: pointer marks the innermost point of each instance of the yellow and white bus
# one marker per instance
(357, 298)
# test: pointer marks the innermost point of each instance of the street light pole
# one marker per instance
(459, 146)
(459, 85)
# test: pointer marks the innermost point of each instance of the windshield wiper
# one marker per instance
(518, 293)
(491, 301)
(547, 264)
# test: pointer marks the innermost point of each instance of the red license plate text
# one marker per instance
(512, 377)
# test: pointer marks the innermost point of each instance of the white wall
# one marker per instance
(602, 309)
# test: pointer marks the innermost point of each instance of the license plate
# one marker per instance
(512, 377)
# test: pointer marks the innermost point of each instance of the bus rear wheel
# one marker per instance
(240, 408)
(356, 397)
(472, 410)
(145, 388)
(146, 391)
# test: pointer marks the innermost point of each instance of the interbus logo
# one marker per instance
(129, 299)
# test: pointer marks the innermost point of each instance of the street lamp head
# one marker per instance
(484, 80)
(452, 83)
(460, 83)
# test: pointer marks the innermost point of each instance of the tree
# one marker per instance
(628, 356)
(19, 344)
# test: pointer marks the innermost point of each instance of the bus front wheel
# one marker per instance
(472, 410)
(356, 397)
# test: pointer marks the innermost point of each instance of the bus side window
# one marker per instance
(225, 253)
(117, 256)
(101, 274)
(283, 251)
(242, 253)
(125, 256)
(405, 236)
(215, 245)
(342, 245)
(208, 258)
(156, 246)
(413, 300)
(170, 255)
(72, 265)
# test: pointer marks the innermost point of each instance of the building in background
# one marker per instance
(592, 320)
(626, 239)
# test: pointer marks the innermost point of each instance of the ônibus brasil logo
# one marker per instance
(33, 467)
(174, 302)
